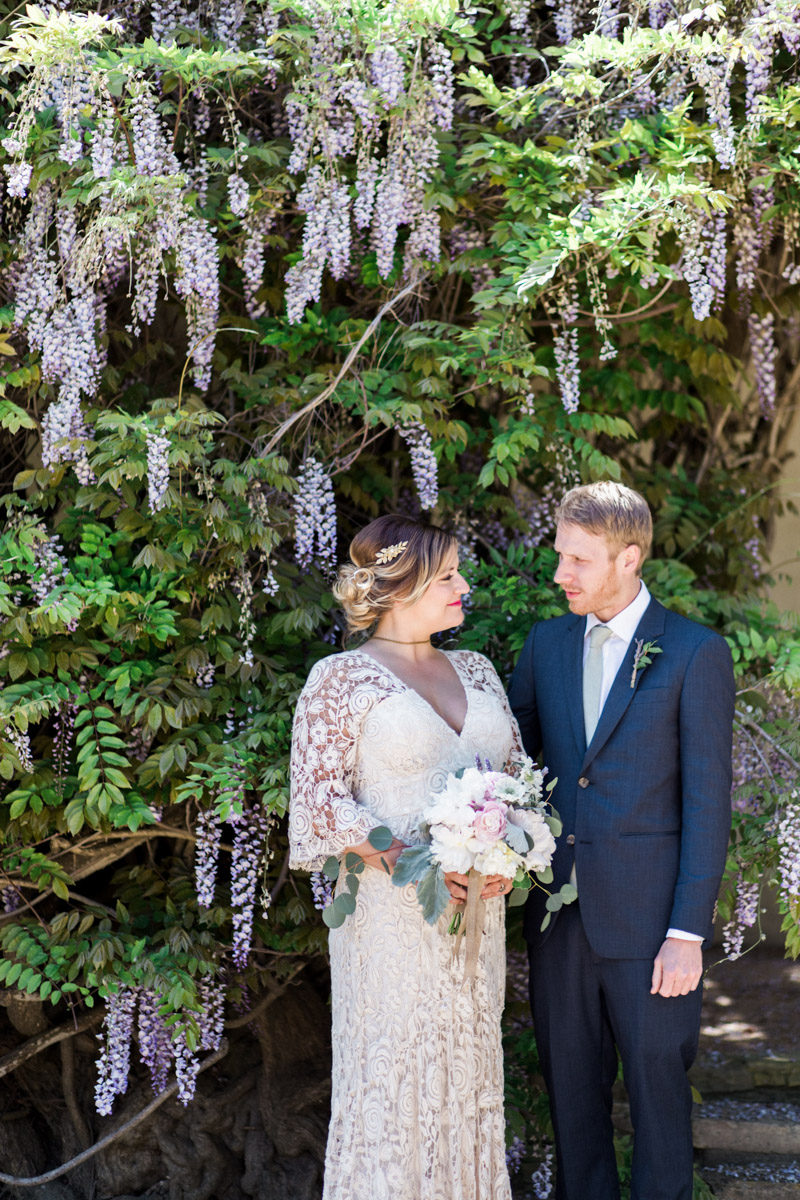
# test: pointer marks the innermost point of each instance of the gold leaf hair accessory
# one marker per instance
(388, 553)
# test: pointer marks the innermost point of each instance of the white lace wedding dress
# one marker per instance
(417, 1107)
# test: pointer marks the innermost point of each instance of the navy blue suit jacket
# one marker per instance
(646, 806)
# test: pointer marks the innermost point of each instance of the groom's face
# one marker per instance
(595, 576)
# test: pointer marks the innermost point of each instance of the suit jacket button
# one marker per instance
(583, 782)
(570, 839)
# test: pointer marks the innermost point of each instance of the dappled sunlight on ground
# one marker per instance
(752, 1005)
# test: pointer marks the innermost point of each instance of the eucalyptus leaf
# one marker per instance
(517, 897)
(333, 917)
(331, 868)
(345, 903)
(381, 837)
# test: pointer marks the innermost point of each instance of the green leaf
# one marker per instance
(411, 865)
(380, 837)
(333, 917)
(331, 867)
(432, 894)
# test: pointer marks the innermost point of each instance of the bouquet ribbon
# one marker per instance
(471, 928)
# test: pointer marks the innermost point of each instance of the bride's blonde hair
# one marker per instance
(392, 559)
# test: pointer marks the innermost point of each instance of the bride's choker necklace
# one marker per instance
(425, 641)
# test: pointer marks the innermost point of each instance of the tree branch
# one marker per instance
(35, 1045)
(327, 392)
(57, 1172)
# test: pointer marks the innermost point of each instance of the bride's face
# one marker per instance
(439, 606)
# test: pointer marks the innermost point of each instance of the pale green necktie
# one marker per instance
(593, 679)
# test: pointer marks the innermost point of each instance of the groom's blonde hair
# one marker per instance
(610, 510)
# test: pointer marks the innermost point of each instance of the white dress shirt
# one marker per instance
(623, 626)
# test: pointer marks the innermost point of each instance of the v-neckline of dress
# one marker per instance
(408, 688)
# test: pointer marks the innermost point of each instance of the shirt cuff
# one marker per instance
(683, 936)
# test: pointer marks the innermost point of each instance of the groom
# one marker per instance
(631, 708)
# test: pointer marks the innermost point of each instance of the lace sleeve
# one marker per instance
(484, 676)
(324, 816)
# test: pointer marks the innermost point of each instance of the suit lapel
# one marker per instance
(573, 678)
(650, 627)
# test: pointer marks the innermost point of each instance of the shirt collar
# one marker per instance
(625, 623)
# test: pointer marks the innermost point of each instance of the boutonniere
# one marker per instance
(643, 657)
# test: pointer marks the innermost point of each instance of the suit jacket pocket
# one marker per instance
(640, 833)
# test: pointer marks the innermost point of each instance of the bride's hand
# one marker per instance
(456, 885)
(385, 860)
(496, 885)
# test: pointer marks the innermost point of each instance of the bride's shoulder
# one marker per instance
(474, 662)
(345, 667)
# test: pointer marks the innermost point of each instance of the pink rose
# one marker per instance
(490, 823)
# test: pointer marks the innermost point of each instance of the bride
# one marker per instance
(417, 1104)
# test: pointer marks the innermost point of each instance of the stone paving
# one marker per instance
(747, 1132)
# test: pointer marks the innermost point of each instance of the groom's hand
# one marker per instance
(677, 968)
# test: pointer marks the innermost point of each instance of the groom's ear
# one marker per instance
(630, 559)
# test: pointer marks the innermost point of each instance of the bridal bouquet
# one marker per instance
(484, 822)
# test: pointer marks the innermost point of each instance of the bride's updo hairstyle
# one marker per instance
(392, 559)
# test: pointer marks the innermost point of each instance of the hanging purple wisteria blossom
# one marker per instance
(211, 1020)
(187, 1067)
(315, 517)
(713, 72)
(659, 12)
(744, 917)
(387, 72)
(11, 899)
(155, 1043)
(158, 446)
(249, 845)
(206, 855)
(759, 41)
(114, 1062)
(424, 466)
(103, 145)
(515, 1154)
(568, 371)
(22, 745)
(256, 228)
(238, 194)
(789, 853)
(716, 233)
(749, 239)
(542, 1177)
(761, 329)
(197, 282)
(63, 739)
(321, 890)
